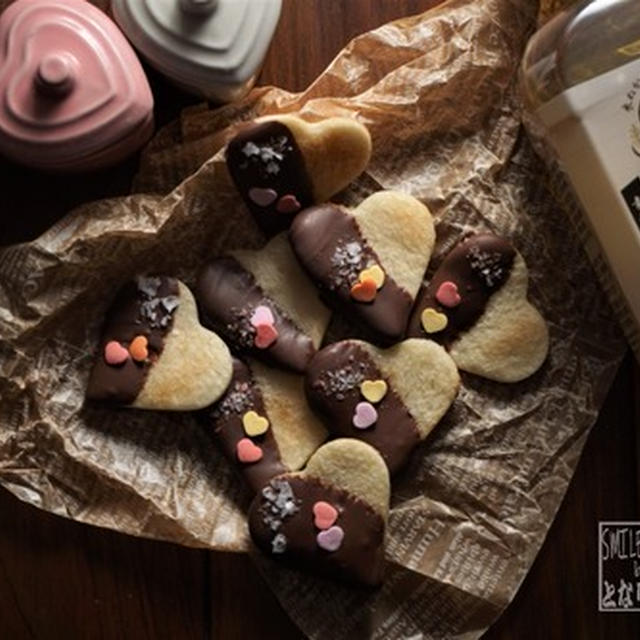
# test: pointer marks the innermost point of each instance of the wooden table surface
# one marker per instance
(60, 579)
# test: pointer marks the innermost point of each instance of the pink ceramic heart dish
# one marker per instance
(74, 95)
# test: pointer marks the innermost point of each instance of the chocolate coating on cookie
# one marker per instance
(269, 171)
(478, 267)
(332, 386)
(281, 523)
(330, 246)
(225, 418)
(228, 294)
(144, 307)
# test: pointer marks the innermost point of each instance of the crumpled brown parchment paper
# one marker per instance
(437, 92)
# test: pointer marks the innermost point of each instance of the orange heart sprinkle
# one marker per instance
(138, 348)
(365, 290)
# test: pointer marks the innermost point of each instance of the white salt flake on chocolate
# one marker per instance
(347, 261)
(149, 311)
(340, 381)
(279, 543)
(155, 311)
(289, 508)
(353, 249)
(272, 168)
(488, 265)
(251, 149)
(268, 154)
(241, 332)
(278, 503)
(170, 303)
(148, 285)
(236, 401)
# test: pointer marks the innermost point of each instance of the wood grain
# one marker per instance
(311, 32)
(60, 579)
(559, 597)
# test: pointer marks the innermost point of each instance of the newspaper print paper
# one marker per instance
(468, 516)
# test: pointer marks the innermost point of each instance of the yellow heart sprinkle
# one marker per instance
(254, 424)
(433, 321)
(374, 390)
(375, 273)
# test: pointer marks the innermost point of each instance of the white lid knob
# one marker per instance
(198, 6)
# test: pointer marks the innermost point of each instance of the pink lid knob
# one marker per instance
(198, 6)
(55, 74)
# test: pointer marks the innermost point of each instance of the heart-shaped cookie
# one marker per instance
(172, 362)
(390, 398)
(264, 305)
(380, 249)
(282, 164)
(488, 326)
(329, 518)
(263, 422)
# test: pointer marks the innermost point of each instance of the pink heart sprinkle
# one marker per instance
(115, 353)
(330, 539)
(247, 451)
(262, 197)
(266, 335)
(261, 315)
(288, 204)
(365, 415)
(325, 514)
(447, 294)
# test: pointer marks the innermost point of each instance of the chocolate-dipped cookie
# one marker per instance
(476, 306)
(154, 354)
(264, 305)
(282, 164)
(263, 423)
(389, 398)
(368, 261)
(329, 518)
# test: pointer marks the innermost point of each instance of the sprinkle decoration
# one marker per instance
(365, 415)
(262, 197)
(262, 321)
(235, 402)
(433, 321)
(247, 451)
(266, 335)
(337, 382)
(488, 265)
(279, 543)
(115, 354)
(374, 272)
(369, 281)
(288, 204)
(330, 539)
(364, 290)
(254, 424)
(448, 295)
(154, 310)
(261, 315)
(324, 515)
(347, 261)
(267, 156)
(139, 348)
(374, 390)
(278, 503)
